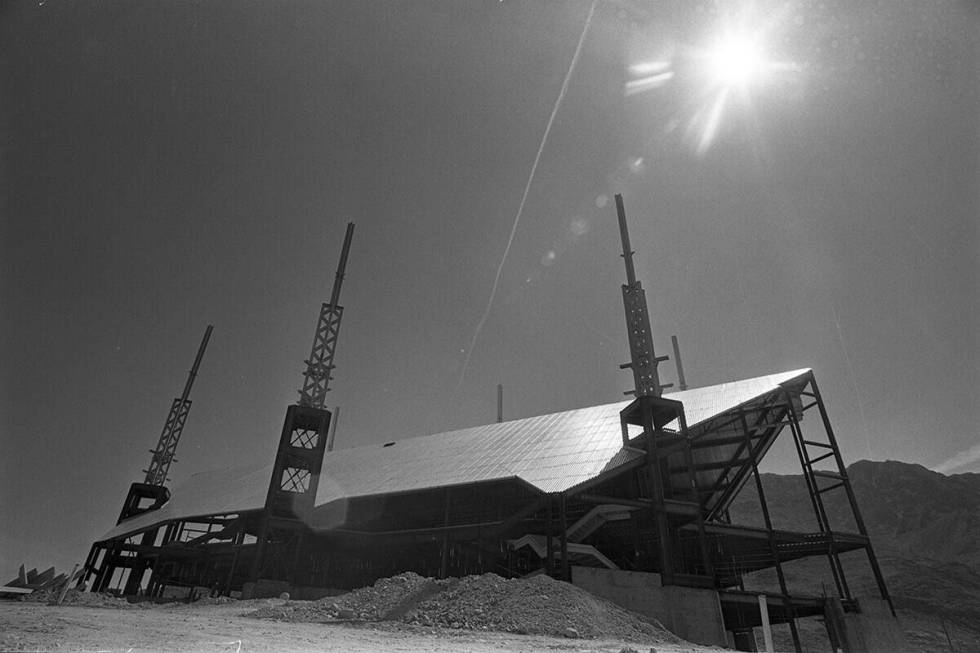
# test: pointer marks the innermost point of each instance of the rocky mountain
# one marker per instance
(925, 529)
(908, 510)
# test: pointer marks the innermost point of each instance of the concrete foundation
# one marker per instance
(691, 613)
(872, 630)
(265, 589)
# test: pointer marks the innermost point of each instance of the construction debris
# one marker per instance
(78, 598)
(538, 605)
(30, 582)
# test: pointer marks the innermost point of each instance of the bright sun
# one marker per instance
(736, 60)
(731, 68)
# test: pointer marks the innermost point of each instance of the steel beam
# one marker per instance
(852, 500)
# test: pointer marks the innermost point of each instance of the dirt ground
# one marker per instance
(183, 628)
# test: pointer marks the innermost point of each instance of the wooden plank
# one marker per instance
(42, 579)
(64, 588)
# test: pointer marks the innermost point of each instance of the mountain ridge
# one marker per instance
(925, 530)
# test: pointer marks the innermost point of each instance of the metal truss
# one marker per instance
(319, 366)
(163, 454)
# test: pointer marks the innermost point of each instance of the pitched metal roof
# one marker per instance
(550, 452)
(214, 492)
(703, 404)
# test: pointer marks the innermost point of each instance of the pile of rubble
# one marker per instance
(538, 605)
(77, 597)
(373, 603)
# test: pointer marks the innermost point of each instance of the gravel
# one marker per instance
(538, 605)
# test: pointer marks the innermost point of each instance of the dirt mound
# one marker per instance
(365, 604)
(539, 605)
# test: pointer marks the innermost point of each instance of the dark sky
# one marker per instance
(166, 165)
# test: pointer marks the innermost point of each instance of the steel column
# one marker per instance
(562, 517)
(444, 554)
(858, 519)
(773, 549)
(549, 541)
(824, 523)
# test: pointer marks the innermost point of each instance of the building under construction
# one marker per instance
(628, 500)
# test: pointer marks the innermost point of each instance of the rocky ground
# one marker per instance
(536, 606)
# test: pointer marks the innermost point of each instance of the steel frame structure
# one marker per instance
(665, 511)
(668, 521)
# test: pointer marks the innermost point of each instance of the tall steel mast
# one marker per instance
(643, 360)
(163, 455)
(283, 527)
(319, 366)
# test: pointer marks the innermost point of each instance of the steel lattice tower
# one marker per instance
(163, 454)
(319, 366)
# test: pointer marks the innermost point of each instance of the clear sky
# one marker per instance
(166, 165)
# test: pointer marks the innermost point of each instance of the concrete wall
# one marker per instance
(874, 629)
(688, 612)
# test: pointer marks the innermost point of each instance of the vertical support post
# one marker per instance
(656, 479)
(549, 567)
(444, 554)
(104, 578)
(852, 500)
(64, 588)
(773, 549)
(709, 568)
(818, 507)
(500, 403)
(238, 541)
(766, 628)
(565, 570)
(88, 568)
(681, 381)
(333, 428)
(775, 555)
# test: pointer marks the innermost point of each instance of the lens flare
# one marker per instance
(737, 60)
(734, 66)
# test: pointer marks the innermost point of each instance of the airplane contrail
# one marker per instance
(527, 189)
